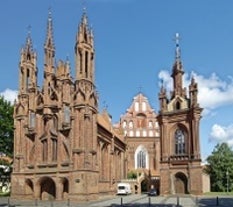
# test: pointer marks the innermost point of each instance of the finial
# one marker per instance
(67, 58)
(177, 40)
(84, 6)
(28, 39)
(50, 14)
(29, 29)
(140, 89)
(105, 106)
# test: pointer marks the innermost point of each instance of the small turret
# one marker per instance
(28, 69)
(84, 51)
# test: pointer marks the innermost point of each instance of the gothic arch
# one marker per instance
(47, 188)
(141, 157)
(65, 185)
(181, 183)
(29, 186)
(179, 137)
(145, 185)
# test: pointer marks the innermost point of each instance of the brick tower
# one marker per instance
(179, 118)
(85, 112)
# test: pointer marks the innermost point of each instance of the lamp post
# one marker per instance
(227, 174)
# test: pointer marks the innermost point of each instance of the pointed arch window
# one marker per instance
(178, 105)
(54, 149)
(141, 158)
(44, 150)
(124, 124)
(131, 124)
(179, 142)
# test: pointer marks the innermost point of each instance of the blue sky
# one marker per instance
(135, 51)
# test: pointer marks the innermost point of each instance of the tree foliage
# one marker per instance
(220, 168)
(6, 127)
(132, 175)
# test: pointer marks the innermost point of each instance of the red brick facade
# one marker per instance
(64, 148)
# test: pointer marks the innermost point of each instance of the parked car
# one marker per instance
(152, 192)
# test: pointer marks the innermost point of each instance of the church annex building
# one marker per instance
(64, 148)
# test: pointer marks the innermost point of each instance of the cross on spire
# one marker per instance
(177, 40)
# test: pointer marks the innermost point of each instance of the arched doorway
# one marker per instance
(181, 183)
(65, 192)
(48, 189)
(29, 188)
(144, 186)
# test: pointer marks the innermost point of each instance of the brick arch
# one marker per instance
(65, 186)
(29, 187)
(180, 183)
(47, 188)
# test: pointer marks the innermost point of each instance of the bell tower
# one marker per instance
(85, 112)
(179, 119)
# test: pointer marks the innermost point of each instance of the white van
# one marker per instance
(123, 189)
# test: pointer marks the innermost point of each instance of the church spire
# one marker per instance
(28, 69)
(49, 47)
(177, 71)
(84, 51)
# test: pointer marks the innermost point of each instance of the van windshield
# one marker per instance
(121, 187)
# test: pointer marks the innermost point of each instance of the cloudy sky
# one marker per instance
(135, 51)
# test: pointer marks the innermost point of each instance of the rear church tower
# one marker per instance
(179, 118)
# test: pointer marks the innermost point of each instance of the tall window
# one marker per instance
(44, 150)
(131, 124)
(54, 149)
(179, 142)
(141, 158)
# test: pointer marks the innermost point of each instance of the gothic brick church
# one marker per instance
(64, 148)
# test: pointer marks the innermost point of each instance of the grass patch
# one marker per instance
(4, 194)
(219, 193)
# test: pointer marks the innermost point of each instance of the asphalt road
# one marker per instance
(129, 201)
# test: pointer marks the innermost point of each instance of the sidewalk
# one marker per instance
(129, 201)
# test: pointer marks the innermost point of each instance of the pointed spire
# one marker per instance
(49, 43)
(49, 47)
(177, 71)
(178, 64)
(28, 45)
(27, 52)
(84, 16)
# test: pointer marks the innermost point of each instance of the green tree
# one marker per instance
(6, 127)
(220, 168)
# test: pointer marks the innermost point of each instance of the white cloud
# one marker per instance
(222, 134)
(165, 76)
(213, 92)
(9, 95)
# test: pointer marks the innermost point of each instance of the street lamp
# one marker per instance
(227, 174)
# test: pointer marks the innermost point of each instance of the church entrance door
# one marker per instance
(181, 183)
